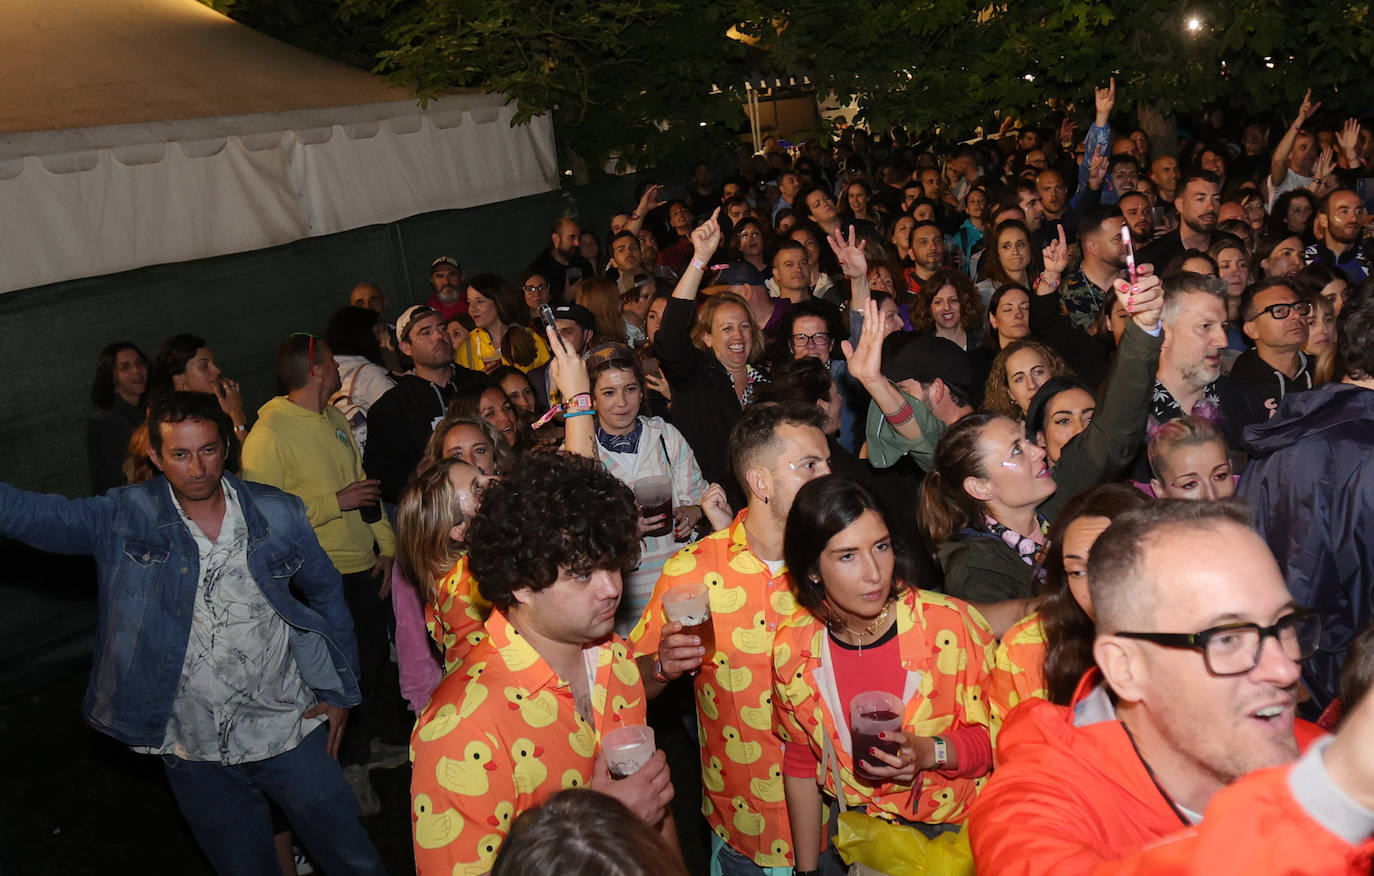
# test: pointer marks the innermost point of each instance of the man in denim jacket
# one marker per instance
(203, 656)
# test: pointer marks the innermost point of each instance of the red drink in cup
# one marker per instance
(654, 495)
(871, 713)
(690, 605)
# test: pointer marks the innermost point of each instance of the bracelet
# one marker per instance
(658, 672)
(580, 402)
(900, 416)
(698, 264)
(569, 416)
(634, 215)
(1049, 284)
(241, 428)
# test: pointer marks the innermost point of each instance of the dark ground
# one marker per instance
(75, 801)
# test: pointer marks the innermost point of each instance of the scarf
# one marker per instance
(754, 375)
(620, 443)
(1028, 548)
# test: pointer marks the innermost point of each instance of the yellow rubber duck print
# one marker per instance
(776, 856)
(620, 704)
(706, 699)
(440, 724)
(759, 717)
(626, 671)
(572, 779)
(755, 638)
(733, 680)
(583, 740)
(737, 750)
(473, 697)
(746, 563)
(724, 600)
(538, 711)
(529, 773)
(952, 658)
(711, 776)
(946, 805)
(784, 603)
(468, 776)
(487, 847)
(746, 820)
(434, 830)
(519, 655)
(501, 818)
(768, 790)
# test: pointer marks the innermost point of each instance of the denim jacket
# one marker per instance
(148, 568)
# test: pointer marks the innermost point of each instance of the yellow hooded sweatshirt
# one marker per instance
(313, 456)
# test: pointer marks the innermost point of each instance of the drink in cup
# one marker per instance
(627, 749)
(871, 713)
(690, 605)
(655, 497)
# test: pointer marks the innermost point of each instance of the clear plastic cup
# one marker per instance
(690, 605)
(655, 497)
(627, 749)
(870, 713)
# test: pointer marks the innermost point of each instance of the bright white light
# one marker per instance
(703, 124)
(1029, 77)
(1195, 24)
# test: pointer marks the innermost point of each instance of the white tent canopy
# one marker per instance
(141, 132)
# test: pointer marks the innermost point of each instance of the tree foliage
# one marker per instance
(638, 78)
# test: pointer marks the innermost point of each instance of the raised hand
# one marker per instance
(716, 508)
(1325, 163)
(1067, 127)
(649, 201)
(850, 254)
(1056, 255)
(1306, 110)
(567, 369)
(1143, 299)
(706, 236)
(866, 360)
(1348, 137)
(1097, 169)
(1104, 99)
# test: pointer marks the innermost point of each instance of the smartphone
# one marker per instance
(1130, 253)
(547, 312)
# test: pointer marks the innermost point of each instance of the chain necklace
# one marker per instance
(869, 630)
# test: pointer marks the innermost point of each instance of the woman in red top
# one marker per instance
(866, 628)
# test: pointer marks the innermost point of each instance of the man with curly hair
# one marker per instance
(523, 716)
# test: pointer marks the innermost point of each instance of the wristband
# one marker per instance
(1049, 284)
(698, 264)
(580, 402)
(634, 215)
(569, 416)
(240, 428)
(901, 415)
(658, 671)
(941, 751)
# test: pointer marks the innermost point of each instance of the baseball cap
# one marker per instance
(408, 318)
(739, 273)
(924, 358)
(444, 260)
(578, 314)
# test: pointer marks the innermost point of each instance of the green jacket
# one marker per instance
(980, 567)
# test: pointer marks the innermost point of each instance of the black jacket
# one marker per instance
(107, 443)
(399, 425)
(705, 407)
(1311, 484)
(1264, 385)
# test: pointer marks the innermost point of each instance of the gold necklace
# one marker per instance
(868, 630)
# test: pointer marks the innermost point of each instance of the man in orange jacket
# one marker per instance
(1190, 711)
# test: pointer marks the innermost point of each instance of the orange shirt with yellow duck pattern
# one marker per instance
(741, 758)
(455, 618)
(947, 650)
(501, 735)
(1020, 673)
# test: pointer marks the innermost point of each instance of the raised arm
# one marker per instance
(1278, 164)
(1099, 139)
(568, 371)
(854, 265)
(648, 202)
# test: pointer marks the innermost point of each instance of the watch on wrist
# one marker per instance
(941, 751)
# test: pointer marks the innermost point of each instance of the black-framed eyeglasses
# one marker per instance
(1234, 649)
(536, 287)
(1281, 311)
(819, 339)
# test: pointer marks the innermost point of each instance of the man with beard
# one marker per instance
(1189, 378)
(301, 444)
(1295, 157)
(1275, 318)
(626, 255)
(1104, 260)
(1139, 215)
(1339, 241)
(400, 422)
(774, 449)
(446, 278)
(554, 262)
(1199, 199)
(927, 254)
(1177, 751)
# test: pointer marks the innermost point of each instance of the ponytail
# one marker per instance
(946, 507)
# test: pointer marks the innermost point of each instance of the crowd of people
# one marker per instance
(1034, 442)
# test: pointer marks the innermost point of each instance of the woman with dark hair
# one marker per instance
(119, 392)
(1008, 317)
(1046, 654)
(1292, 214)
(486, 399)
(1010, 258)
(746, 243)
(868, 629)
(857, 204)
(354, 335)
(581, 832)
(948, 306)
(969, 238)
(632, 446)
(1279, 256)
(185, 363)
(499, 314)
(536, 289)
(1232, 259)
(825, 270)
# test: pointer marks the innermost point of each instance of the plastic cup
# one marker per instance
(655, 497)
(627, 749)
(870, 713)
(690, 605)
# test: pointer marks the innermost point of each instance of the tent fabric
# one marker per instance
(168, 133)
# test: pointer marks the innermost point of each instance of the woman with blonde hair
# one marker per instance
(1189, 460)
(1017, 372)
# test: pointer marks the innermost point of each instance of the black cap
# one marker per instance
(926, 357)
(578, 314)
